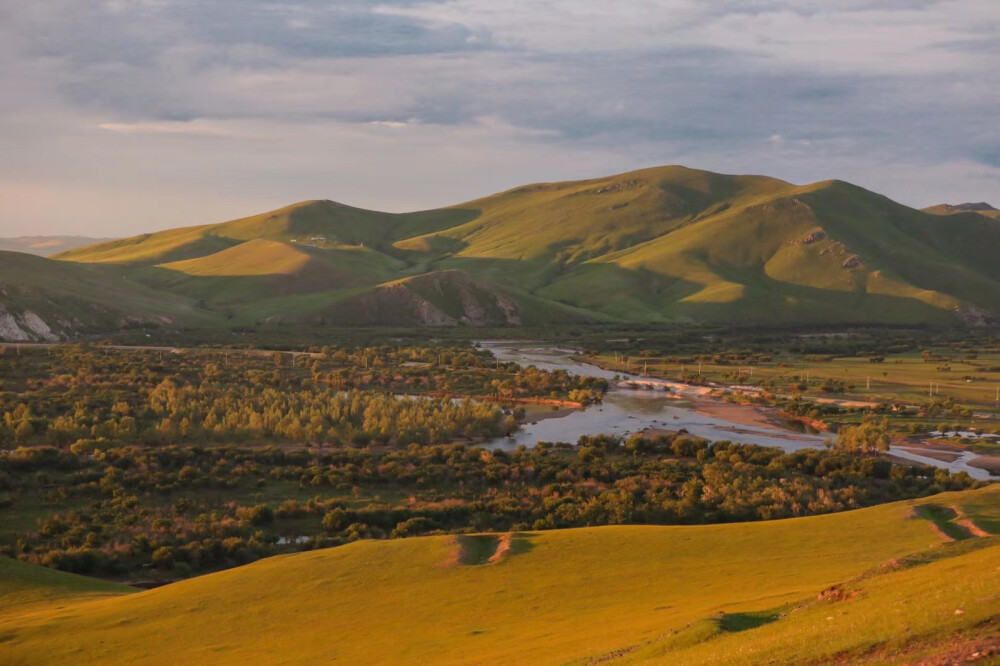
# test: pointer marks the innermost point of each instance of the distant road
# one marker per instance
(170, 350)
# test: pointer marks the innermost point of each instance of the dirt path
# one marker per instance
(963, 520)
(950, 522)
(169, 350)
(480, 549)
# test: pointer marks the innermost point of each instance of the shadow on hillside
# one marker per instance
(736, 622)
(590, 292)
(483, 549)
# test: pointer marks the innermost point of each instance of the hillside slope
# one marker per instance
(44, 246)
(44, 300)
(666, 244)
(982, 208)
(738, 593)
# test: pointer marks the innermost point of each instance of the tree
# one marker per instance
(23, 432)
(871, 436)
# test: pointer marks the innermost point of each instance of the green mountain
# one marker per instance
(661, 245)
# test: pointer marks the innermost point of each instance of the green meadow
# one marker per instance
(907, 377)
(734, 593)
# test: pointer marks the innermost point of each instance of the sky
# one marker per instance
(119, 117)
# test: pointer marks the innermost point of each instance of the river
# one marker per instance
(628, 411)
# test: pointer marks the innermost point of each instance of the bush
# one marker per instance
(413, 526)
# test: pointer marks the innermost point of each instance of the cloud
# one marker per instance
(192, 128)
(417, 103)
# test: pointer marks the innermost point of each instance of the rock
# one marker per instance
(26, 327)
(809, 238)
(852, 261)
(836, 593)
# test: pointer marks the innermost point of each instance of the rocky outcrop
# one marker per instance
(812, 237)
(612, 188)
(969, 207)
(973, 316)
(24, 327)
(852, 261)
(443, 298)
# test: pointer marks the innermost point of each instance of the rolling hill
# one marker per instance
(44, 300)
(660, 245)
(43, 246)
(982, 208)
(805, 590)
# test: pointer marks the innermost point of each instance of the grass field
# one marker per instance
(900, 378)
(737, 593)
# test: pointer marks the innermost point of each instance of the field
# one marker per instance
(907, 378)
(742, 593)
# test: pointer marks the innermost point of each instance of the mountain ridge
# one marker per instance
(663, 245)
(980, 208)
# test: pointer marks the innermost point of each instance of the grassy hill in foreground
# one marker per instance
(660, 245)
(741, 593)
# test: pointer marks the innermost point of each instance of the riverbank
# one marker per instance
(626, 412)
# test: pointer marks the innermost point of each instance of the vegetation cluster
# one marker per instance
(166, 512)
(88, 398)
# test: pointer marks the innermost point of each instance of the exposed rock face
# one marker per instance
(473, 311)
(782, 204)
(852, 261)
(813, 237)
(10, 330)
(623, 186)
(510, 310)
(447, 298)
(973, 316)
(26, 327)
(397, 304)
(37, 326)
(969, 207)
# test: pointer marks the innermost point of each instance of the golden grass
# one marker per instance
(556, 596)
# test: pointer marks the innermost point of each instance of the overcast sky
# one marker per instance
(124, 116)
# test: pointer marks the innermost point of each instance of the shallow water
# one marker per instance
(626, 411)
